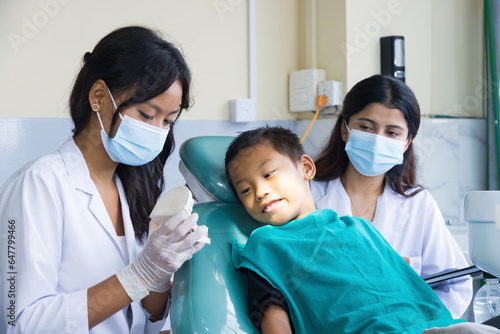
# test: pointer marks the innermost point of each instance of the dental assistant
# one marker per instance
(81, 259)
(368, 169)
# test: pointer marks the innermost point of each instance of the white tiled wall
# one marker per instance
(452, 160)
(451, 152)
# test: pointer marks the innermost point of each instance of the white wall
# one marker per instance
(43, 42)
(457, 83)
(443, 47)
(384, 18)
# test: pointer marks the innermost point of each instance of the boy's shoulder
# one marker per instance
(325, 218)
(310, 224)
(329, 216)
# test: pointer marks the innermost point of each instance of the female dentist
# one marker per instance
(368, 169)
(74, 224)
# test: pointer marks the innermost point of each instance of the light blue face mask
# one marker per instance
(135, 143)
(373, 154)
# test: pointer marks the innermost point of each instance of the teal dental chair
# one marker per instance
(209, 294)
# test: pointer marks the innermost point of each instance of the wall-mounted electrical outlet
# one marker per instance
(333, 92)
(304, 88)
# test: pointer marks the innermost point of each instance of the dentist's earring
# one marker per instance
(95, 107)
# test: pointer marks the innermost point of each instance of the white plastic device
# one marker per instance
(242, 111)
(481, 212)
(332, 90)
(178, 200)
(303, 89)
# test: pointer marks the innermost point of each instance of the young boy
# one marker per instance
(312, 271)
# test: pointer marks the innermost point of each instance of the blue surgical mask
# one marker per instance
(135, 143)
(373, 154)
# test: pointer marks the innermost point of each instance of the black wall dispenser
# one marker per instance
(392, 56)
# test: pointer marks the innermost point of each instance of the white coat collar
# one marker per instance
(79, 177)
(76, 167)
(391, 215)
(334, 191)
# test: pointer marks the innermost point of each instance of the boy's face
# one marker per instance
(272, 188)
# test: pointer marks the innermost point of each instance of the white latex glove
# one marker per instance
(166, 249)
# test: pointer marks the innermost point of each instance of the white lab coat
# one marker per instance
(415, 228)
(65, 243)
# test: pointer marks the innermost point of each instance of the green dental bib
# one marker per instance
(339, 275)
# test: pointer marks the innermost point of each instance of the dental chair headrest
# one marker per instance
(202, 165)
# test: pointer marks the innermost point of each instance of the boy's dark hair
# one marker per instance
(283, 141)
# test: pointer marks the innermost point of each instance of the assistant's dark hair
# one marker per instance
(283, 141)
(392, 93)
(138, 63)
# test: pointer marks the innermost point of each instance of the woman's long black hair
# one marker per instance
(392, 93)
(138, 62)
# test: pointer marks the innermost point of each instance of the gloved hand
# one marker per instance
(166, 249)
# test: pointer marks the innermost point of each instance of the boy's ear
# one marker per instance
(309, 167)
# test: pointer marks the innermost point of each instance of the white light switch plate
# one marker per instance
(242, 111)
